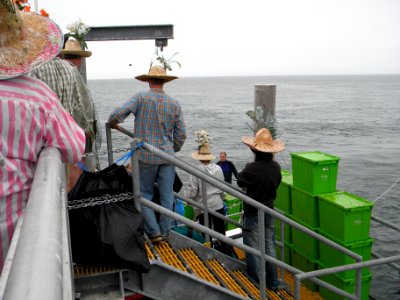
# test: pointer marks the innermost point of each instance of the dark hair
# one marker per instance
(262, 156)
(70, 56)
(157, 81)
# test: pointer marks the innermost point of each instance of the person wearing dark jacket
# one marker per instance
(261, 179)
(228, 168)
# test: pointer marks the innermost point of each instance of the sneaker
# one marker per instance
(164, 238)
(156, 239)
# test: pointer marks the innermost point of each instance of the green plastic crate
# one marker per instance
(305, 207)
(235, 207)
(345, 217)
(346, 285)
(304, 243)
(229, 226)
(330, 257)
(283, 199)
(301, 262)
(189, 212)
(315, 172)
(287, 231)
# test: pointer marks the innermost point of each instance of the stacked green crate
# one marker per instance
(347, 285)
(304, 243)
(315, 172)
(305, 264)
(283, 200)
(345, 219)
(235, 208)
(283, 203)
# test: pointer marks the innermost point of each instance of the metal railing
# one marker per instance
(38, 263)
(299, 275)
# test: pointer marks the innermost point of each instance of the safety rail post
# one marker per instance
(135, 174)
(109, 144)
(41, 255)
(205, 213)
(282, 246)
(261, 248)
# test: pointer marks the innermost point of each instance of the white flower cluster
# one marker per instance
(202, 137)
(78, 28)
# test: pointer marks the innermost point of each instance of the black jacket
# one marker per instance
(261, 180)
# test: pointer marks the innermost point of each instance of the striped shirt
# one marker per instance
(32, 118)
(158, 121)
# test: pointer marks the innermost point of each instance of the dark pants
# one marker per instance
(219, 226)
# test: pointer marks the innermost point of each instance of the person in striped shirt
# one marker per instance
(159, 122)
(31, 115)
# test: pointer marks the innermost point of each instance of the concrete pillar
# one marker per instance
(265, 97)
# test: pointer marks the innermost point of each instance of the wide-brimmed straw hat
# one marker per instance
(73, 47)
(27, 40)
(263, 142)
(156, 72)
(203, 153)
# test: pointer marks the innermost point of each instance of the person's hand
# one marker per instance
(114, 125)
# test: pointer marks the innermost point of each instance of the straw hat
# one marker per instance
(73, 46)
(156, 72)
(27, 40)
(263, 142)
(203, 153)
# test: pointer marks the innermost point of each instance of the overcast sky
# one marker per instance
(244, 38)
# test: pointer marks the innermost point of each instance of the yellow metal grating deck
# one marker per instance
(86, 270)
(149, 253)
(226, 277)
(197, 265)
(255, 291)
(168, 256)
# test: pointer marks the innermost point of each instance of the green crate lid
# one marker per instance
(287, 177)
(230, 197)
(316, 157)
(346, 200)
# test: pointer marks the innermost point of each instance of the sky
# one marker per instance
(243, 38)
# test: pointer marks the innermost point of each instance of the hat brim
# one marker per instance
(274, 147)
(146, 77)
(82, 53)
(53, 43)
(198, 156)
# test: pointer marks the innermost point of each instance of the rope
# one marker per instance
(388, 190)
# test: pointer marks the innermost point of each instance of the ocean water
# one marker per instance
(356, 118)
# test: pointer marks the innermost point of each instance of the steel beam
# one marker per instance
(160, 33)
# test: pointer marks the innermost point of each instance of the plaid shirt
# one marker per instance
(158, 121)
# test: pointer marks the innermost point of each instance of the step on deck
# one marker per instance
(212, 271)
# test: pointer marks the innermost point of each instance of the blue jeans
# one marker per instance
(164, 175)
(250, 238)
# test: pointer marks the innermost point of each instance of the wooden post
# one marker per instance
(265, 97)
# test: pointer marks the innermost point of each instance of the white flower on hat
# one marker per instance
(202, 137)
(78, 30)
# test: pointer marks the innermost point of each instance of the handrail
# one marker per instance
(261, 209)
(41, 264)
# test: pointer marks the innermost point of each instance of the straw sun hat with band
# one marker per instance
(156, 72)
(73, 47)
(263, 142)
(27, 40)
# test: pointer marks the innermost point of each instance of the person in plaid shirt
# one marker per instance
(158, 121)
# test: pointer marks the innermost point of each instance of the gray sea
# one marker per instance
(356, 118)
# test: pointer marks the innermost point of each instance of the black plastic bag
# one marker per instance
(108, 234)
